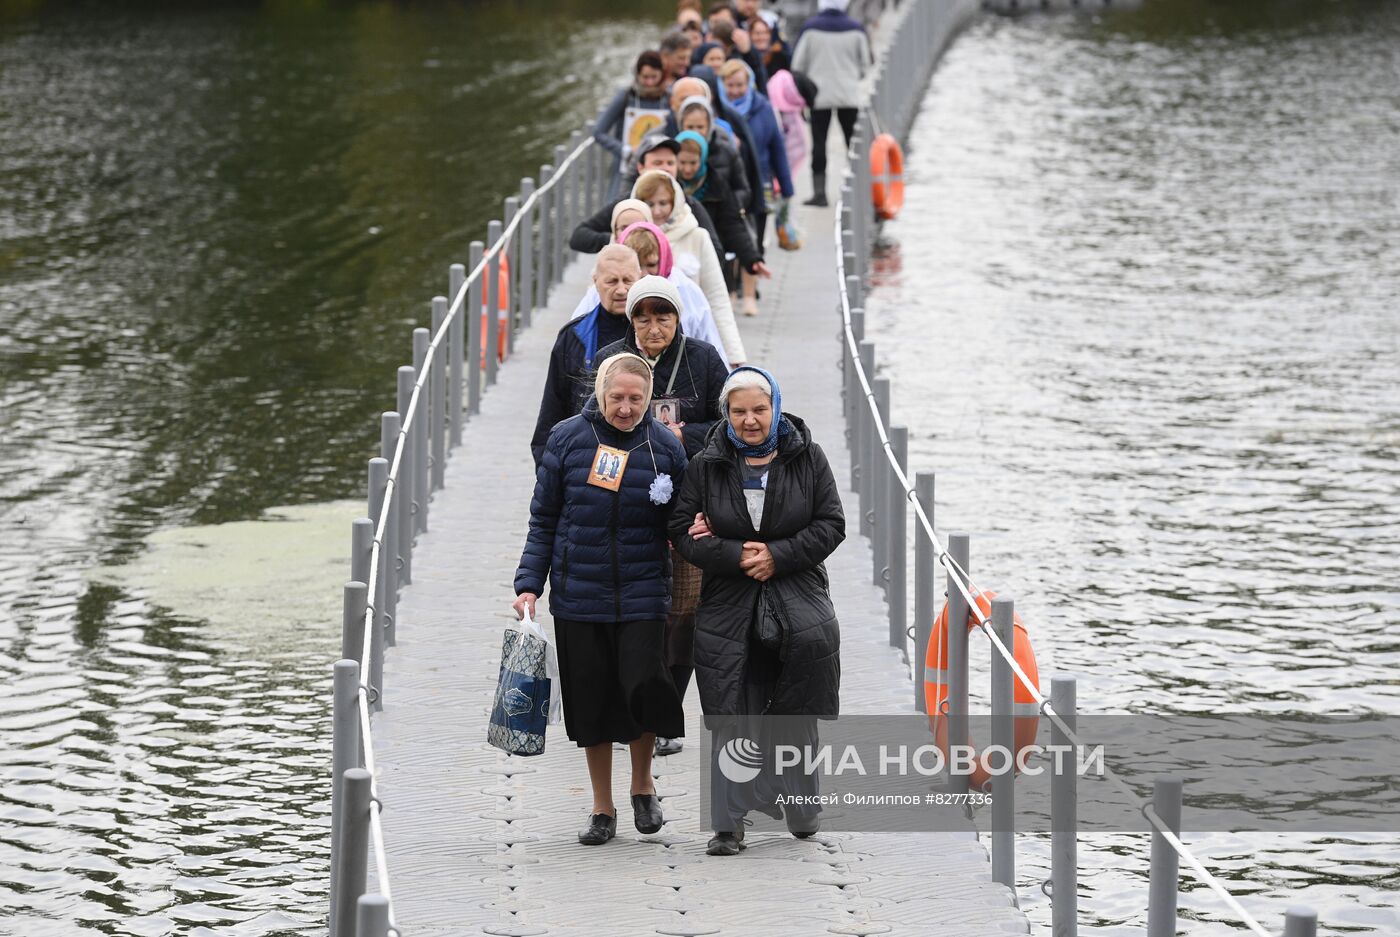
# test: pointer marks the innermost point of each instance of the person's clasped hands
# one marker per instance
(756, 560)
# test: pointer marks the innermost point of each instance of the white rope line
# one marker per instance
(959, 578)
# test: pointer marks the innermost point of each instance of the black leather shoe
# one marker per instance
(666, 747)
(600, 829)
(804, 827)
(725, 844)
(646, 813)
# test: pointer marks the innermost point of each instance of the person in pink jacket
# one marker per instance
(787, 101)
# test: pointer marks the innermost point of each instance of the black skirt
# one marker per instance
(616, 683)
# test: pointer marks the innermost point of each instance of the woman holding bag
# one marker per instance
(603, 492)
(759, 512)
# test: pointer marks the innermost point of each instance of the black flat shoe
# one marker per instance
(646, 813)
(600, 829)
(666, 747)
(725, 844)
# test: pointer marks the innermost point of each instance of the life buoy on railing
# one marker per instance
(502, 311)
(1026, 709)
(886, 176)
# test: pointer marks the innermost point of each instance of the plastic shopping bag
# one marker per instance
(789, 235)
(527, 691)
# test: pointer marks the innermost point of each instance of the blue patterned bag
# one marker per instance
(524, 704)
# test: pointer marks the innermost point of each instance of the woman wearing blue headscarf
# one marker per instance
(759, 513)
(711, 189)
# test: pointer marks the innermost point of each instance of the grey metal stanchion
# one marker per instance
(456, 277)
(361, 543)
(408, 513)
(437, 402)
(512, 264)
(389, 557)
(924, 583)
(1163, 879)
(421, 483)
(492, 293)
(1300, 922)
(372, 916)
(558, 230)
(345, 754)
(378, 488)
(855, 298)
(473, 314)
(896, 548)
(1004, 740)
(1064, 819)
(526, 236)
(863, 441)
(352, 622)
(879, 484)
(354, 849)
(959, 549)
(571, 191)
(545, 258)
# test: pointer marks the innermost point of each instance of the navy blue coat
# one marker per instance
(606, 553)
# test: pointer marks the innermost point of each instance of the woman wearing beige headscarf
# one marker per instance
(603, 491)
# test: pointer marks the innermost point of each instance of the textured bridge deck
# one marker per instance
(482, 842)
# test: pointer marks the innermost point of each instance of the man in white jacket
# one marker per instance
(834, 51)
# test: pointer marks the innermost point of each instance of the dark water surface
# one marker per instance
(218, 223)
(1141, 316)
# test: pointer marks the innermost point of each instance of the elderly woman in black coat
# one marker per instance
(687, 376)
(759, 512)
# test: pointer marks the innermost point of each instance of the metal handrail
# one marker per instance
(366, 693)
(960, 577)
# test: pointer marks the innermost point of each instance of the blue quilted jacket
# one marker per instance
(606, 553)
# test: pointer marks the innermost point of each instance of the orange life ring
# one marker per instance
(886, 176)
(502, 311)
(1027, 711)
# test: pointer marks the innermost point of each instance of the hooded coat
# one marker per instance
(605, 553)
(699, 373)
(802, 523)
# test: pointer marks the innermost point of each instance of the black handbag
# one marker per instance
(769, 620)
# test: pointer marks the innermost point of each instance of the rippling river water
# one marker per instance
(217, 223)
(1140, 316)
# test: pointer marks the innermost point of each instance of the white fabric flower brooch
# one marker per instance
(661, 489)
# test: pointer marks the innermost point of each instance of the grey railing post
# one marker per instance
(959, 550)
(354, 849)
(544, 278)
(855, 298)
(1004, 739)
(372, 916)
(925, 559)
(408, 503)
(1163, 880)
(879, 483)
(378, 488)
(456, 276)
(473, 313)
(572, 184)
(421, 418)
(352, 621)
(896, 549)
(527, 255)
(512, 261)
(493, 302)
(560, 229)
(1064, 819)
(361, 543)
(437, 408)
(866, 459)
(589, 183)
(1300, 922)
(390, 559)
(345, 753)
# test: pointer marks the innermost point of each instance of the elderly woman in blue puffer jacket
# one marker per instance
(603, 491)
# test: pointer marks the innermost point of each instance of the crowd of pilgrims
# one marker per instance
(680, 515)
